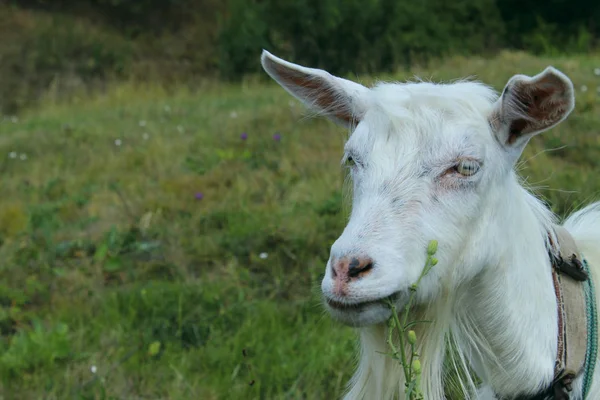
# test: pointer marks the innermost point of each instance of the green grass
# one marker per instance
(109, 259)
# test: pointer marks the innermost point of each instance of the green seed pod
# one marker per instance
(432, 248)
(416, 367)
(412, 337)
(434, 261)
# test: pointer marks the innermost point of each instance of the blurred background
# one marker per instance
(68, 44)
(167, 211)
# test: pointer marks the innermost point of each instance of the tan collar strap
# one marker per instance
(567, 275)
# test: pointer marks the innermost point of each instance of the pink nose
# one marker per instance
(348, 269)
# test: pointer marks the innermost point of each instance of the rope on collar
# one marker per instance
(592, 325)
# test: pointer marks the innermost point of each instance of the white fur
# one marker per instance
(491, 294)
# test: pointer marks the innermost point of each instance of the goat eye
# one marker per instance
(467, 167)
(350, 161)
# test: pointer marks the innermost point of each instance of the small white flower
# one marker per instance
(263, 255)
(597, 71)
(584, 88)
(233, 114)
(167, 108)
(14, 119)
(23, 156)
(180, 129)
(118, 142)
(93, 369)
(12, 154)
(145, 136)
(142, 123)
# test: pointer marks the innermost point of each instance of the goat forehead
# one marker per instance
(432, 134)
(411, 125)
(461, 96)
(420, 103)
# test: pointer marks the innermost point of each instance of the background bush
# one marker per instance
(81, 43)
(348, 36)
(52, 49)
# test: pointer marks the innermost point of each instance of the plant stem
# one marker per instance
(402, 346)
(413, 383)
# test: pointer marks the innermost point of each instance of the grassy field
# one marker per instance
(170, 245)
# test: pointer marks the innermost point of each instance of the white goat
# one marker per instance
(436, 161)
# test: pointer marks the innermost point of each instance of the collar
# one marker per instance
(577, 317)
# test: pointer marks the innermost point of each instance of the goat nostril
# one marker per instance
(367, 267)
(356, 268)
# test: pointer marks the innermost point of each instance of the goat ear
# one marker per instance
(531, 105)
(339, 99)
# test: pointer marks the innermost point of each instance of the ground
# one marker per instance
(170, 243)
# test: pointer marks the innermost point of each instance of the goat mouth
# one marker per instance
(359, 306)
